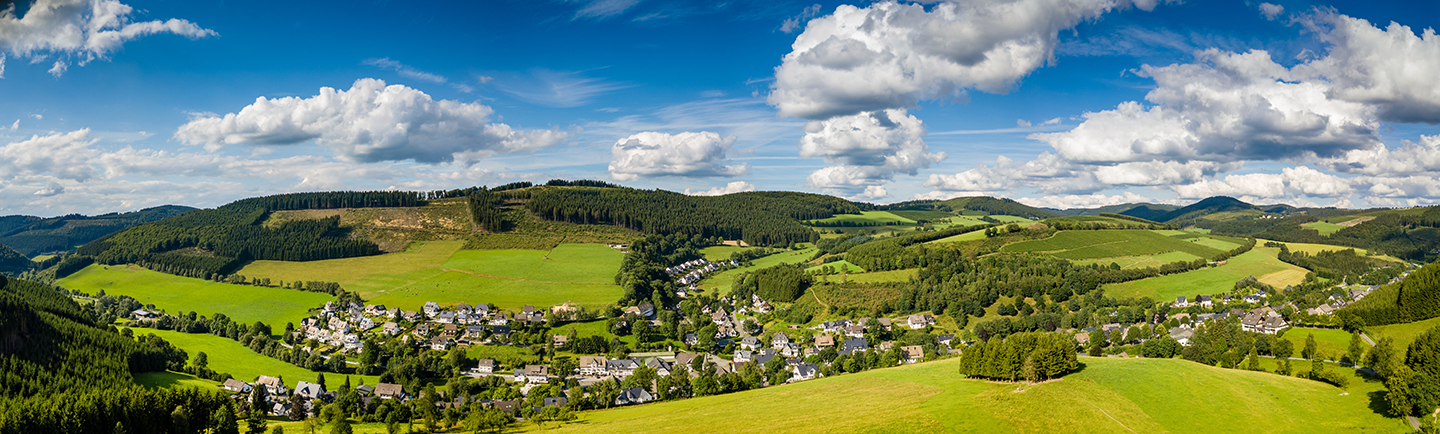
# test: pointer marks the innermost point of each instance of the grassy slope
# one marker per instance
(1317, 248)
(880, 217)
(274, 306)
(721, 281)
(1403, 334)
(1324, 228)
(968, 236)
(720, 253)
(171, 380)
(1330, 342)
(873, 276)
(227, 356)
(1111, 243)
(1259, 262)
(1142, 261)
(568, 263)
(364, 274)
(1110, 395)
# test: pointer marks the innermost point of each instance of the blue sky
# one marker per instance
(117, 105)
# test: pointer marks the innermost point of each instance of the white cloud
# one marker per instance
(892, 55)
(603, 9)
(370, 122)
(866, 149)
(1392, 68)
(80, 30)
(61, 155)
(1411, 158)
(1095, 200)
(15, 126)
(405, 70)
(795, 23)
(1000, 177)
(1271, 11)
(733, 187)
(51, 189)
(1292, 182)
(690, 154)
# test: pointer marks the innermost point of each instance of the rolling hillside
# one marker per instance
(34, 235)
(1108, 395)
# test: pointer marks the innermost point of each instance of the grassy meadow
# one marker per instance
(366, 274)
(1325, 228)
(720, 253)
(720, 282)
(227, 356)
(1332, 343)
(1403, 334)
(1109, 395)
(171, 380)
(1114, 243)
(968, 236)
(1142, 261)
(876, 217)
(1259, 262)
(567, 263)
(175, 294)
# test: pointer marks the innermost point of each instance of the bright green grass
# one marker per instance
(1011, 219)
(453, 287)
(1198, 230)
(567, 263)
(1324, 228)
(968, 236)
(227, 356)
(922, 215)
(1109, 244)
(1317, 248)
(720, 253)
(508, 355)
(872, 277)
(721, 282)
(172, 380)
(1109, 395)
(175, 294)
(41, 258)
(1213, 243)
(837, 266)
(1142, 261)
(1259, 261)
(1403, 334)
(1331, 343)
(880, 217)
(366, 274)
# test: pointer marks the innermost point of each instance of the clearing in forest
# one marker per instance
(175, 294)
(1259, 261)
(1111, 243)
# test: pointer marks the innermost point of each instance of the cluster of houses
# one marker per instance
(1208, 301)
(1337, 301)
(279, 397)
(693, 271)
(436, 327)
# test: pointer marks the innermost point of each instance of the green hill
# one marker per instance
(980, 204)
(12, 261)
(1202, 208)
(34, 235)
(1108, 395)
(1142, 210)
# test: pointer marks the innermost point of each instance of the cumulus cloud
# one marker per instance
(1409, 159)
(370, 122)
(79, 31)
(690, 154)
(866, 149)
(51, 189)
(1392, 68)
(61, 155)
(1095, 200)
(892, 55)
(1289, 183)
(796, 22)
(733, 187)
(1271, 11)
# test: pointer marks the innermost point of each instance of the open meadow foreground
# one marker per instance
(781, 216)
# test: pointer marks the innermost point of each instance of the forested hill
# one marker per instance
(760, 218)
(32, 236)
(208, 242)
(983, 204)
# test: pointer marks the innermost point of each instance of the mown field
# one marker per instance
(439, 271)
(968, 236)
(1317, 248)
(1109, 395)
(227, 356)
(1143, 261)
(867, 217)
(175, 294)
(719, 283)
(1324, 228)
(171, 380)
(1332, 343)
(1118, 243)
(720, 253)
(1259, 262)
(1403, 334)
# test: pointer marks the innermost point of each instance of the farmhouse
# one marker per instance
(913, 353)
(390, 391)
(805, 371)
(484, 366)
(273, 385)
(590, 365)
(237, 386)
(919, 320)
(309, 390)
(633, 395)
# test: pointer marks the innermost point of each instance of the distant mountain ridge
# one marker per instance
(30, 235)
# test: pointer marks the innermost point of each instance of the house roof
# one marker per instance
(389, 389)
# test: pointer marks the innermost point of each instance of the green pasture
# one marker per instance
(41, 258)
(1259, 262)
(968, 236)
(366, 274)
(720, 253)
(1324, 228)
(877, 217)
(567, 263)
(1109, 244)
(1403, 334)
(172, 380)
(872, 276)
(175, 294)
(837, 266)
(1142, 261)
(1332, 343)
(1317, 248)
(922, 214)
(1108, 395)
(453, 287)
(721, 282)
(227, 356)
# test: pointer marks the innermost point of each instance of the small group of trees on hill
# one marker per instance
(758, 218)
(1022, 356)
(1412, 384)
(783, 283)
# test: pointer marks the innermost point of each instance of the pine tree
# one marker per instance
(223, 421)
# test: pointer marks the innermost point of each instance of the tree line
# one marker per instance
(1415, 298)
(1022, 356)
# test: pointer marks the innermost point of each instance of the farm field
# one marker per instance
(720, 283)
(1403, 334)
(1317, 248)
(1332, 343)
(1111, 243)
(227, 356)
(171, 380)
(720, 253)
(873, 276)
(1259, 262)
(365, 274)
(454, 287)
(175, 294)
(968, 236)
(875, 217)
(837, 266)
(1142, 261)
(567, 263)
(1325, 228)
(1109, 395)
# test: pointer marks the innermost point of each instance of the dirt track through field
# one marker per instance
(472, 273)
